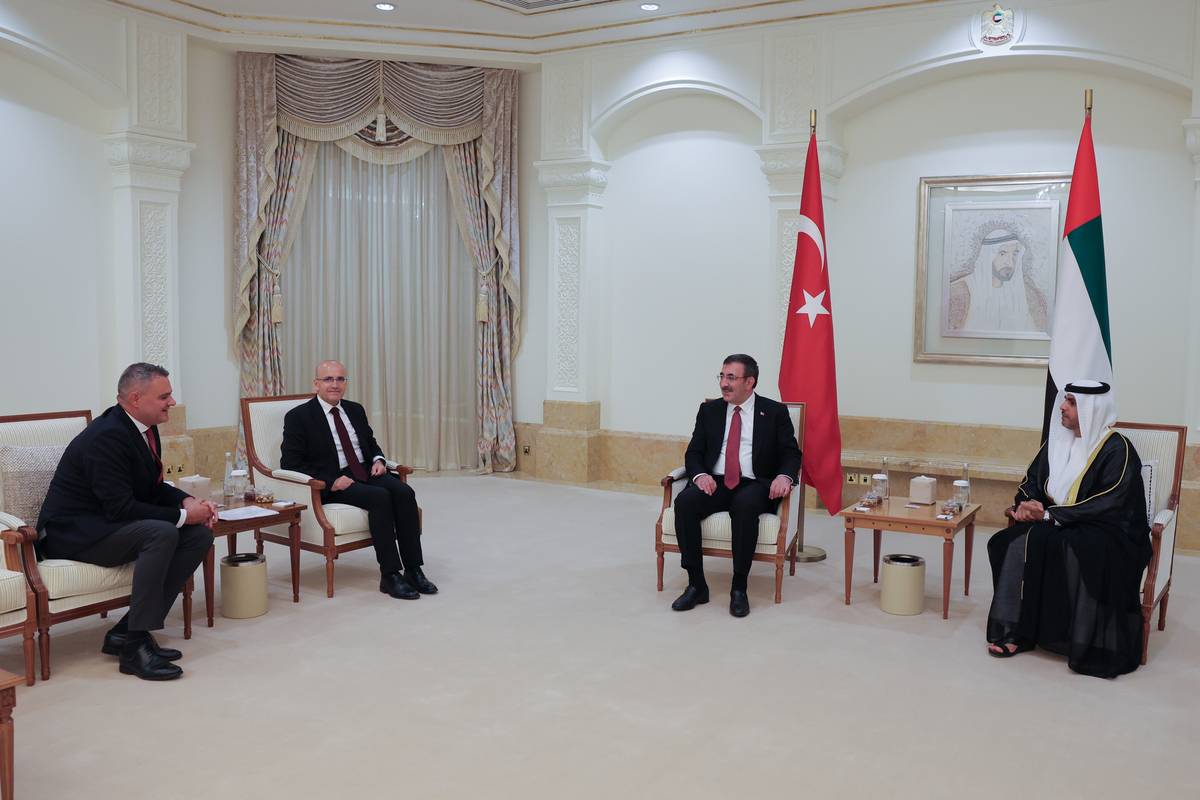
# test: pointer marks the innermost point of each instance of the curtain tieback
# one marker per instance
(276, 292)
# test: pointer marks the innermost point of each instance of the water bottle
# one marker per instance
(229, 491)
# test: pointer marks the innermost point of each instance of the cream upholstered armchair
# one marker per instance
(326, 528)
(30, 447)
(1161, 449)
(716, 531)
(18, 606)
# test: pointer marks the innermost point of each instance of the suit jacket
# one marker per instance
(774, 450)
(308, 444)
(107, 478)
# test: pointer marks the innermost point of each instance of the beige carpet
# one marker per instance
(549, 667)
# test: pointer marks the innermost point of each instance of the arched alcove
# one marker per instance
(687, 237)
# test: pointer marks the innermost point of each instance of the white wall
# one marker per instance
(529, 367)
(688, 266)
(206, 241)
(962, 127)
(55, 225)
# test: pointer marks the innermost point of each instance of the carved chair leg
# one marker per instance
(44, 648)
(660, 571)
(1145, 635)
(1162, 610)
(329, 574)
(779, 581)
(188, 588)
(27, 647)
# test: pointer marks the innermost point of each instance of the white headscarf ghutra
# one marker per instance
(1069, 454)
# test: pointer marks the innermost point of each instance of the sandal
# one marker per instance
(1004, 652)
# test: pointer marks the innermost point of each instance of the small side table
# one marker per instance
(893, 514)
(8, 699)
(230, 528)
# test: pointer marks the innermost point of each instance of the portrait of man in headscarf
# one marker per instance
(997, 283)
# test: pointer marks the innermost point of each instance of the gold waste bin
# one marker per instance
(243, 586)
(903, 584)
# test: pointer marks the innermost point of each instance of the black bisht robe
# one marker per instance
(1073, 587)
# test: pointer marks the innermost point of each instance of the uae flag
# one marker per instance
(806, 372)
(1080, 343)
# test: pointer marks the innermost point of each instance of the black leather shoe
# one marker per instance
(138, 658)
(739, 603)
(394, 584)
(692, 596)
(416, 578)
(114, 642)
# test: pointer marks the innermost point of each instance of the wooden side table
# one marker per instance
(230, 528)
(8, 699)
(894, 514)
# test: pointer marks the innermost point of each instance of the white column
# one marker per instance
(578, 291)
(148, 160)
(1192, 365)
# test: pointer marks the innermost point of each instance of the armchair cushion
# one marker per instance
(64, 578)
(717, 531)
(346, 518)
(12, 591)
(25, 474)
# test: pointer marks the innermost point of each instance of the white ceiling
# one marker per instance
(491, 30)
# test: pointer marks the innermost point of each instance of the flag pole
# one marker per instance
(1087, 103)
(805, 553)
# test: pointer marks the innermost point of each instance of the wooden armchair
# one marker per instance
(18, 606)
(716, 530)
(326, 528)
(30, 446)
(1161, 449)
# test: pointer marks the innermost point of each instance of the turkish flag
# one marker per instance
(806, 373)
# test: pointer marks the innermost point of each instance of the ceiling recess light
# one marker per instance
(649, 6)
(385, 6)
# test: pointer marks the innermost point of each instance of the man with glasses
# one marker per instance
(330, 439)
(743, 459)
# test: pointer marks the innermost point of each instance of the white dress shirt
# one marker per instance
(142, 430)
(337, 440)
(746, 450)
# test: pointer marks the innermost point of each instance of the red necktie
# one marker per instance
(154, 452)
(356, 467)
(733, 450)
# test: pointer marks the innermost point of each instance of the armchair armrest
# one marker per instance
(291, 476)
(676, 474)
(1164, 517)
(395, 466)
(10, 523)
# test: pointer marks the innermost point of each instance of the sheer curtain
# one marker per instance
(379, 279)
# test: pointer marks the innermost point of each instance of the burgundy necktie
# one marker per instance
(356, 467)
(154, 452)
(733, 450)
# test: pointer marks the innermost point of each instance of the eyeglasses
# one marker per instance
(729, 376)
(330, 379)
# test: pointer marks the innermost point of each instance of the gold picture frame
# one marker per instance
(987, 255)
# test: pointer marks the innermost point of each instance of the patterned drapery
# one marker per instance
(386, 112)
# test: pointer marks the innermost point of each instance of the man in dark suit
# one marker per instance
(107, 504)
(743, 459)
(329, 439)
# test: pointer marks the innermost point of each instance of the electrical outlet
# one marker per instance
(852, 477)
(525, 450)
(864, 478)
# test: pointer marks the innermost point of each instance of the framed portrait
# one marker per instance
(987, 264)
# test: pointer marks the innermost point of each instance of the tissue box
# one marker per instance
(196, 485)
(922, 489)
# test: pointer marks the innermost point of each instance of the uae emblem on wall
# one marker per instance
(996, 26)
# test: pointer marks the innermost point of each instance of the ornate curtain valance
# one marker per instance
(327, 99)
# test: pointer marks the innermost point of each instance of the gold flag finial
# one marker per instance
(1087, 102)
(812, 121)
